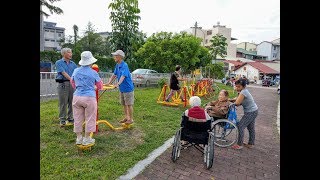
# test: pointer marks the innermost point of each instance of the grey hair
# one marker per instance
(65, 50)
(195, 101)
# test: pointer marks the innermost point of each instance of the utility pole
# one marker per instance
(195, 28)
(195, 31)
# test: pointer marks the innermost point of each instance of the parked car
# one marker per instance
(145, 77)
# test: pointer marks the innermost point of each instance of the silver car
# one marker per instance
(145, 77)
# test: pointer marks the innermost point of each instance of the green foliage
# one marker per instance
(124, 20)
(52, 8)
(215, 70)
(218, 46)
(51, 56)
(163, 50)
(105, 63)
(135, 62)
(92, 41)
(162, 81)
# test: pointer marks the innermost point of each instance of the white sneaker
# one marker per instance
(87, 141)
(79, 141)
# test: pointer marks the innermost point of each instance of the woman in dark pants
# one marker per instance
(250, 110)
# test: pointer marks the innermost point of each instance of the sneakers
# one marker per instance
(62, 123)
(79, 141)
(87, 141)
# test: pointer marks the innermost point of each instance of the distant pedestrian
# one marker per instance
(174, 83)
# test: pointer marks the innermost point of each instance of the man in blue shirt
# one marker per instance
(125, 84)
(65, 68)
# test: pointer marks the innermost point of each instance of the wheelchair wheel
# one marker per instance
(176, 146)
(225, 133)
(209, 152)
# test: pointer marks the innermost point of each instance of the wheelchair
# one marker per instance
(196, 134)
(225, 131)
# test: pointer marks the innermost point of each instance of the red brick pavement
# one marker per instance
(261, 162)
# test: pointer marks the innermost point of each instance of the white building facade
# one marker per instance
(52, 36)
(269, 49)
(206, 35)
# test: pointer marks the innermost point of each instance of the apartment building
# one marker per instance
(206, 35)
(52, 36)
(270, 49)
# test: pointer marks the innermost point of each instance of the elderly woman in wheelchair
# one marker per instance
(225, 131)
(195, 131)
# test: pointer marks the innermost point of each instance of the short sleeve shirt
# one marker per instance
(85, 79)
(63, 66)
(122, 69)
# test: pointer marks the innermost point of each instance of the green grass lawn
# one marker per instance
(114, 152)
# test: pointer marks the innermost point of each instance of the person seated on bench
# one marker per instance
(196, 113)
(219, 108)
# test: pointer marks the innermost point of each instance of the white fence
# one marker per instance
(48, 85)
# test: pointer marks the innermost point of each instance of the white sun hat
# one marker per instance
(87, 58)
(118, 52)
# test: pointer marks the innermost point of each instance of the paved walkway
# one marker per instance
(261, 162)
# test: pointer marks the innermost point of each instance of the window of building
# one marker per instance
(47, 40)
(206, 41)
(274, 47)
(52, 40)
(51, 30)
(274, 55)
(59, 35)
(46, 30)
(209, 32)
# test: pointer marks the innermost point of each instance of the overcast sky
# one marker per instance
(250, 20)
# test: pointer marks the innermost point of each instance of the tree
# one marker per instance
(218, 46)
(162, 51)
(124, 20)
(52, 8)
(135, 62)
(92, 41)
(215, 70)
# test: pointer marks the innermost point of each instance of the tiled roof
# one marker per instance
(261, 67)
(236, 63)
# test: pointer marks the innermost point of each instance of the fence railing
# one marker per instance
(48, 85)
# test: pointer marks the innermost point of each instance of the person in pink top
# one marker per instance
(85, 81)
